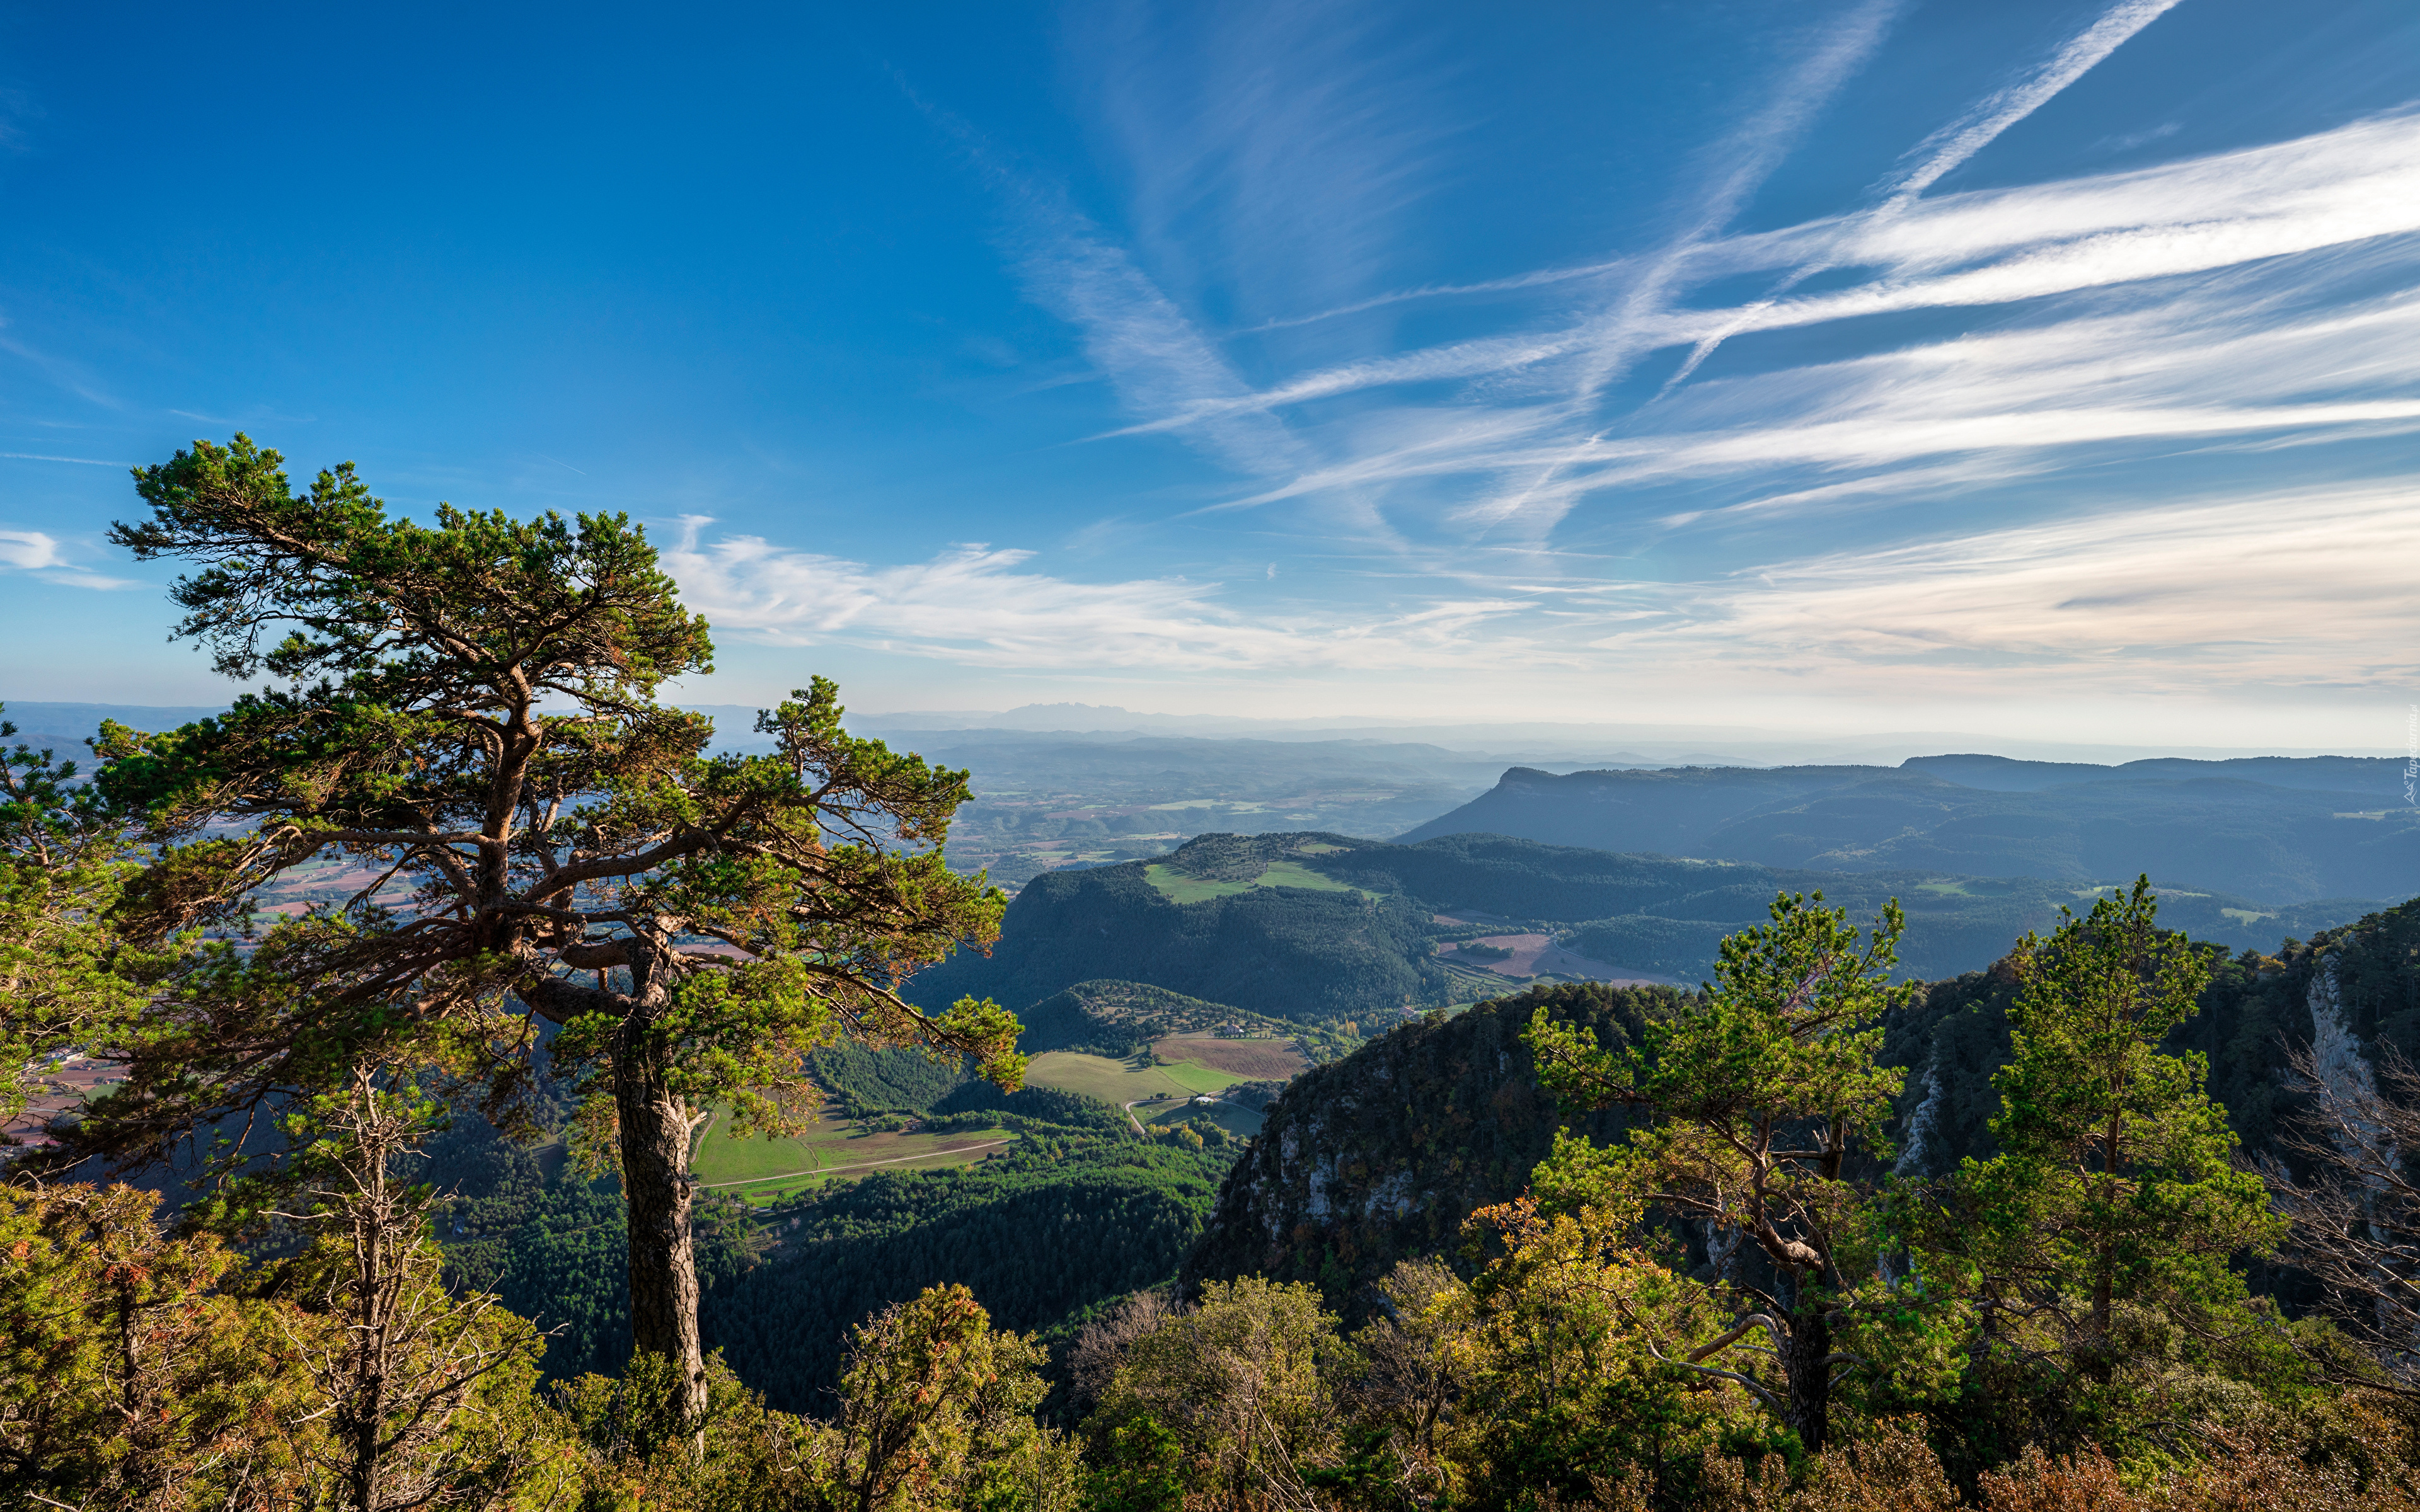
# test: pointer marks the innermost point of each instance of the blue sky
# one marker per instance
(2006, 366)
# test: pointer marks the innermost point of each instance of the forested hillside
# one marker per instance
(2365, 976)
(554, 1246)
(1385, 1153)
(1382, 1155)
(1120, 1018)
(1035, 1235)
(1358, 947)
(1287, 952)
(781, 1287)
(2273, 829)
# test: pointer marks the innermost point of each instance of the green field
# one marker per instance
(760, 1168)
(1119, 1081)
(1178, 888)
(771, 1170)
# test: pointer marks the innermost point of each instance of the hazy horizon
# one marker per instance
(1553, 743)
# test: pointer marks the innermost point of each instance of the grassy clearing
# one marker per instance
(828, 1148)
(1177, 887)
(1197, 1078)
(1295, 874)
(1118, 1081)
(780, 1189)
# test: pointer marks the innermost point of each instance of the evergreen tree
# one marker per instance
(1759, 1092)
(67, 978)
(2117, 1179)
(469, 720)
(131, 1373)
(936, 1408)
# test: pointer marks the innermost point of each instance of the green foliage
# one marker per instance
(934, 1404)
(2104, 1228)
(859, 1079)
(981, 1104)
(508, 837)
(1117, 1019)
(554, 1248)
(482, 743)
(1555, 1376)
(363, 591)
(1759, 1094)
(140, 1370)
(1035, 1235)
(1244, 1380)
(68, 979)
(637, 1442)
(1578, 1354)
(1380, 1156)
(1139, 1467)
(934, 1415)
(135, 1371)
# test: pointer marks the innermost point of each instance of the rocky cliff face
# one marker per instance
(2351, 994)
(1384, 1153)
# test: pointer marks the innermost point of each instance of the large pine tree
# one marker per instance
(468, 716)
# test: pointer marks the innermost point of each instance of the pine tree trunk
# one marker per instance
(656, 1179)
(1806, 1361)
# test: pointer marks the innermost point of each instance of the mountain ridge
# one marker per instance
(2256, 828)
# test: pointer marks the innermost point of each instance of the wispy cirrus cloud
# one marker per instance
(1273, 149)
(1954, 145)
(38, 553)
(2211, 295)
(1998, 247)
(1950, 147)
(982, 605)
(1159, 360)
(2296, 589)
(2305, 587)
(1890, 410)
(29, 550)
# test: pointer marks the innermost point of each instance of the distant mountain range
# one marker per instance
(2272, 828)
(1319, 929)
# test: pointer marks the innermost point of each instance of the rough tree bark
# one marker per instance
(655, 1130)
(1807, 1365)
